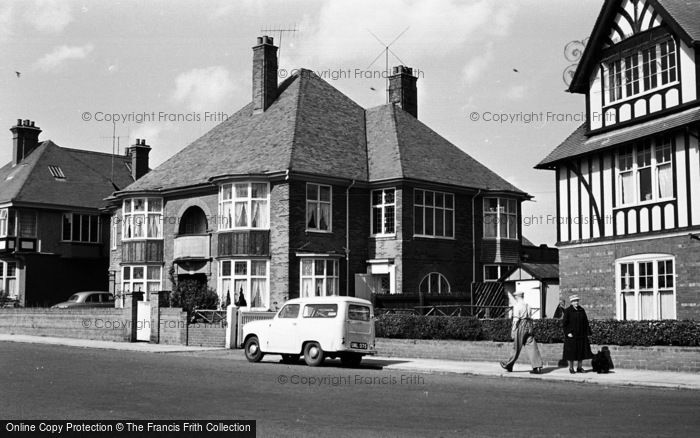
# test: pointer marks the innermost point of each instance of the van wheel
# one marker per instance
(290, 358)
(351, 360)
(313, 354)
(252, 349)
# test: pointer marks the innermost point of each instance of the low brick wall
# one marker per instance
(97, 324)
(207, 335)
(686, 359)
(173, 326)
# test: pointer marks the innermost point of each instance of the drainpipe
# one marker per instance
(471, 293)
(347, 238)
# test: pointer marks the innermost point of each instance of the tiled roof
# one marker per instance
(88, 177)
(686, 13)
(314, 128)
(579, 144)
(541, 271)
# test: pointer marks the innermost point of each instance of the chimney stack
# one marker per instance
(25, 138)
(402, 89)
(264, 74)
(139, 158)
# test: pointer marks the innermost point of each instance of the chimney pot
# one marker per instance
(26, 122)
(19, 122)
(260, 40)
(31, 124)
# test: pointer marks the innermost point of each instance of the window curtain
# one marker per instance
(311, 215)
(665, 181)
(626, 187)
(258, 292)
(241, 214)
(324, 217)
(259, 217)
(629, 309)
(667, 305)
(154, 225)
(646, 301)
(138, 225)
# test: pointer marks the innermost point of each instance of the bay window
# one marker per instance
(383, 211)
(7, 222)
(8, 278)
(500, 218)
(246, 279)
(644, 172)
(244, 206)
(142, 218)
(646, 287)
(318, 207)
(319, 277)
(146, 279)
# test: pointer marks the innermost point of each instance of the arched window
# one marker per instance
(434, 283)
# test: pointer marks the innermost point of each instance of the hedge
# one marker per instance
(610, 332)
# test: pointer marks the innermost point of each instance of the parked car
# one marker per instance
(87, 299)
(315, 327)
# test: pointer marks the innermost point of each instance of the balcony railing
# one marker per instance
(192, 247)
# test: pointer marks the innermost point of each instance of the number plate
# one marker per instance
(358, 345)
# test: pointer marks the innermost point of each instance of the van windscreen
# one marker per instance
(320, 311)
(358, 313)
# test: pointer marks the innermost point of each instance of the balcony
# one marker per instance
(244, 243)
(20, 244)
(192, 247)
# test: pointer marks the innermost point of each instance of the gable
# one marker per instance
(622, 20)
(632, 17)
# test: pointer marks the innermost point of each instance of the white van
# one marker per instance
(317, 327)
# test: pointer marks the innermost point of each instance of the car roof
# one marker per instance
(90, 292)
(332, 299)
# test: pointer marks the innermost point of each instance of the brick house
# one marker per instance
(628, 180)
(303, 192)
(53, 233)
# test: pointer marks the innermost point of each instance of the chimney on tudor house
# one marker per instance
(139, 158)
(264, 74)
(25, 138)
(402, 89)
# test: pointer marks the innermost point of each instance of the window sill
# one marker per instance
(319, 231)
(647, 93)
(645, 203)
(510, 239)
(422, 236)
(382, 236)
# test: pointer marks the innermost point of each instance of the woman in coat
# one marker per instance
(576, 332)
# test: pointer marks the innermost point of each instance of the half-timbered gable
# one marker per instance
(628, 179)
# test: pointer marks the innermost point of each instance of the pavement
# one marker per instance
(616, 377)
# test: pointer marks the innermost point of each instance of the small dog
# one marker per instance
(601, 362)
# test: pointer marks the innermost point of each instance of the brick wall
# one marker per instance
(207, 335)
(686, 359)
(173, 326)
(590, 273)
(97, 324)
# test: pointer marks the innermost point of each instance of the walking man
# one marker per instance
(522, 334)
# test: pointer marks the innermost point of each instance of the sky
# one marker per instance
(490, 73)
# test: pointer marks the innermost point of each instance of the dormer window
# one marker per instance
(640, 72)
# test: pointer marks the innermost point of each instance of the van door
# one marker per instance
(283, 335)
(359, 327)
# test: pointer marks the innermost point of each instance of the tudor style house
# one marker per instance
(53, 233)
(302, 192)
(628, 180)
